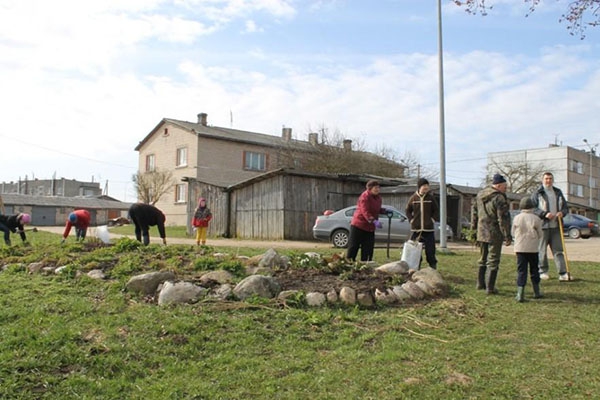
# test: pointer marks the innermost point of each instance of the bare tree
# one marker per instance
(332, 152)
(579, 15)
(151, 186)
(415, 169)
(521, 176)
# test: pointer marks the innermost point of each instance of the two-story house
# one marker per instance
(218, 157)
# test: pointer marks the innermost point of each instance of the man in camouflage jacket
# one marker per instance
(490, 217)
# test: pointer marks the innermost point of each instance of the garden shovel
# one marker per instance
(562, 239)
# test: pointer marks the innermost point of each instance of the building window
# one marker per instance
(180, 193)
(181, 157)
(150, 163)
(576, 190)
(577, 166)
(255, 161)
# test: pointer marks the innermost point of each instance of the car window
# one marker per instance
(350, 212)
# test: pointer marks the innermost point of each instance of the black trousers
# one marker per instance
(525, 260)
(428, 240)
(363, 240)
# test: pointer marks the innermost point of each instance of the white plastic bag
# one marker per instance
(102, 234)
(411, 253)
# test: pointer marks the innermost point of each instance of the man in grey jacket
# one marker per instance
(550, 205)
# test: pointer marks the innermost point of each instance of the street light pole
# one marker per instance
(443, 207)
(592, 151)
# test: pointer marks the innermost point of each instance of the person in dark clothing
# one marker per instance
(363, 223)
(422, 211)
(144, 216)
(491, 219)
(14, 224)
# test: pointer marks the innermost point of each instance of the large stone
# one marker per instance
(180, 292)
(219, 276)
(385, 296)
(35, 267)
(433, 279)
(271, 259)
(414, 290)
(257, 285)
(96, 274)
(332, 296)
(315, 299)
(223, 292)
(148, 283)
(365, 299)
(401, 294)
(394, 268)
(348, 295)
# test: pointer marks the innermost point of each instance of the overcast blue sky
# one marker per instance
(83, 82)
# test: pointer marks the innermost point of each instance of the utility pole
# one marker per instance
(592, 152)
(443, 206)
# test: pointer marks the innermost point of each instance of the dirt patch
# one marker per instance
(312, 280)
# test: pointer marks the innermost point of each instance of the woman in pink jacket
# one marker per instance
(364, 222)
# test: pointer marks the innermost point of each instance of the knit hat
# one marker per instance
(498, 179)
(421, 182)
(372, 183)
(25, 218)
(200, 200)
(526, 203)
(72, 217)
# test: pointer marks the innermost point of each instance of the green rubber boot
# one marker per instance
(520, 294)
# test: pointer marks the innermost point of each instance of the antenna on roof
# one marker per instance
(231, 118)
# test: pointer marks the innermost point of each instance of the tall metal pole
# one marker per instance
(592, 150)
(443, 205)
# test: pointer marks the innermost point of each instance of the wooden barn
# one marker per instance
(278, 205)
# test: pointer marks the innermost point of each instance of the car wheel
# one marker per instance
(574, 233)
(339, 238)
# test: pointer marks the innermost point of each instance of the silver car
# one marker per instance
(334, 227)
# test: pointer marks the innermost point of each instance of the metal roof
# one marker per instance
(60, 201)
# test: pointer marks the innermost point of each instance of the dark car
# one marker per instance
(577, 226)
(574, 226)
(334, 227)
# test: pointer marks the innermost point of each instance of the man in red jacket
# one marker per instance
(80, 219)
(364, 222)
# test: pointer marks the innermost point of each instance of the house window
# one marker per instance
(150, 163)
(576, 190)
(180, 193)
(181, 157)
(255, 161)
(577, 166)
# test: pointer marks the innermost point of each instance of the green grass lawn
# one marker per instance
(63, 337)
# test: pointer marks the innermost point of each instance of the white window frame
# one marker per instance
(181, 193)
(254, 161)
(181, 157)
(150, 163)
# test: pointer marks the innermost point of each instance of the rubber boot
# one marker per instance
(491, 282)
(146, 240)
(520, 294)
(537, 293)
(481, 279)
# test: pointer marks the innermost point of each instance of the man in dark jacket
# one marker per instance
(550, 205)
(490, 216)
(422, 211)
(144, 216)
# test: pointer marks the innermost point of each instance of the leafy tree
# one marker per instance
(151, 186)
(579, 15)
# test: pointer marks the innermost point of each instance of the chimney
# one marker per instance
(347, 145)
(313, 138)
(286, 134)
(202, 118)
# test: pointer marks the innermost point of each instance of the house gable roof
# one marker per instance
(233, 135)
